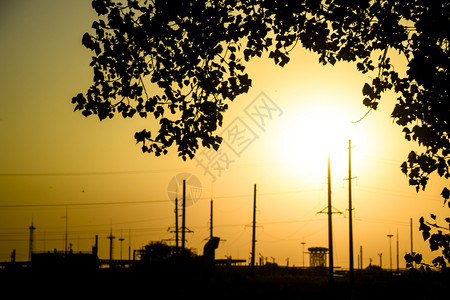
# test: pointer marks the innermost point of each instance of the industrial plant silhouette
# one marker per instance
(174, 270)
(195, 54)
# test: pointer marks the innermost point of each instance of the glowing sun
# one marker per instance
(309, 134)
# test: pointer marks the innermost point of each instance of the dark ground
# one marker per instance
(163, 282)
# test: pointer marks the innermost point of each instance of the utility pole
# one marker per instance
(350, 211)
(95, 247)
(398, 266)
(129, 244)
(176, 223)
(381, 261)
(411, 229)
(390, 250)
(303, 244)
(111, 238)
(253, 232)
(361, 256)
(65, 237)
(359, 262)
(211, 220)
(30, 253)
(183, 220)
(330, 227)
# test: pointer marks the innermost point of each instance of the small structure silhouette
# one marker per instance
(318, 256)
(57, 261)
(210, 248)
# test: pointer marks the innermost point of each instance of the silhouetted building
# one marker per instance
(318, 256)
(210, 248)
(61, 261)
(229, 261)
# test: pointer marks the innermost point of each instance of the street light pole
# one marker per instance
(303, 244)
(121, 240)
(390, 250)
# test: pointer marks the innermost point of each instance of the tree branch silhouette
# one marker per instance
(192, 57)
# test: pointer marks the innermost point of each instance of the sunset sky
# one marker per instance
(53, 159)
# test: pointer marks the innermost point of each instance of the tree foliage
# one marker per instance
(183, 62)
(439, 239)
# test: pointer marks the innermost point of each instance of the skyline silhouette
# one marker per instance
(73, 178)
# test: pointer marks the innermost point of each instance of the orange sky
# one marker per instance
(81, 162)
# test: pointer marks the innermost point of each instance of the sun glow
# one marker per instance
(308, 134)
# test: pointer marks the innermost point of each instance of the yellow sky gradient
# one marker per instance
(75, 160)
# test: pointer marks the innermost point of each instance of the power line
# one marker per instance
(124, 172)
(380, 221)
(93, 173)
(396, 193)
(137, 202)
(80, 204)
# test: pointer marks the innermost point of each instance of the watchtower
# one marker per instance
(318, 256)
